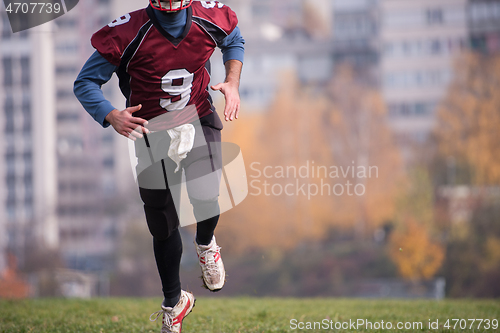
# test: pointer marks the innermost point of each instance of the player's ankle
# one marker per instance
(204, 241)
(170, 302)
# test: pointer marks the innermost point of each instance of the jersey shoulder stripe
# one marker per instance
(216, 19)
(212, 29)
(131, 48)
(113, 39)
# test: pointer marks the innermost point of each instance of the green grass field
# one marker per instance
(243, 315)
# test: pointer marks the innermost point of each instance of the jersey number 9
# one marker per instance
(177, 83)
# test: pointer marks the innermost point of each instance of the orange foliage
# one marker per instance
(415, 254)
(11, 285)
(360, 133)
(307, 127)
(288, 135)
(469, 117)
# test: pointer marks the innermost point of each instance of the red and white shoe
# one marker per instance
(172, 317)
(211, 264)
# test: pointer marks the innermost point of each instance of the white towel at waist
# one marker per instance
(182, 140)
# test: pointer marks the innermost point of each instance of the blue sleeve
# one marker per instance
(232, 46)
(87, 87)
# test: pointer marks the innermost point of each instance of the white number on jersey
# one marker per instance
(211, 4)
(121, 20)
(172, 85)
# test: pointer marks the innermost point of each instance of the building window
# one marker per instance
(23, 34)
(63, 93)
(26, 111)
(7, 71)
(66, 23)
(9, 103)
(9, 120)
(27, 123)
(107, 137)
(11, 216)
(6, 30)
(28, 176)
(67, 47)
(108, 162)
(67, 117)
(11, 199)
(27, 158)
(435, 46)
(434, 16)
(416, 109)
(66, 70)
(25, 71)
(11, 186)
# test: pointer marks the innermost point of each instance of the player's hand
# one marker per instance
(232, 95)
(127, 125)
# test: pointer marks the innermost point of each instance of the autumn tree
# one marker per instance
(468, 141)
(469, 118)
(359, 133)
(415, 254)
(339, 127)
(290, 134)
(414, 245)
(13, 286)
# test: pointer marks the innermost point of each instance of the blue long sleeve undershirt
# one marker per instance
(98, 70)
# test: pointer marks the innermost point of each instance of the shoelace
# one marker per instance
(210, 262)
(168, 319)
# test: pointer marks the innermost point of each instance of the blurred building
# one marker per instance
(419, 41)
(64, 175)
(255, 16)
(27, 119)
(93, 165)
(281, 36)
(356, 37)
(483, 17)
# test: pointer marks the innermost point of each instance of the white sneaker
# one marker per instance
(172, 317)
(211, 264)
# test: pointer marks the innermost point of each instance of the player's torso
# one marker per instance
(170, 74)
(163, 73)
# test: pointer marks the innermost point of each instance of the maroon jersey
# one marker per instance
(163, 73)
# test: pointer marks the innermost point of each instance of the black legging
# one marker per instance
(161, 215)
(168, 255)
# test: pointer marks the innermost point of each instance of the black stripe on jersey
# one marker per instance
(121, 72)
(216, 32)
(157, 25)
(208, 68)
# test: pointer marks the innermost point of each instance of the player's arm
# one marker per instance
(87, 89)
(232, 52)
(230, 89)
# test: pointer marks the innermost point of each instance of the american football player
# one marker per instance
(161, 55)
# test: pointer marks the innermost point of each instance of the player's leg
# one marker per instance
(205, 230)
(203, 172)
(163, 223)
(168, 253)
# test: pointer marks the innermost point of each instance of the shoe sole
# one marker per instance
(204, 285)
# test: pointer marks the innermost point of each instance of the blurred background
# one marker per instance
(408, 89)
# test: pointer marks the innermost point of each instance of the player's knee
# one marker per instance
(204, 189)
(204, 209)
(156, 199)
(162, 220)
(161, 231)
